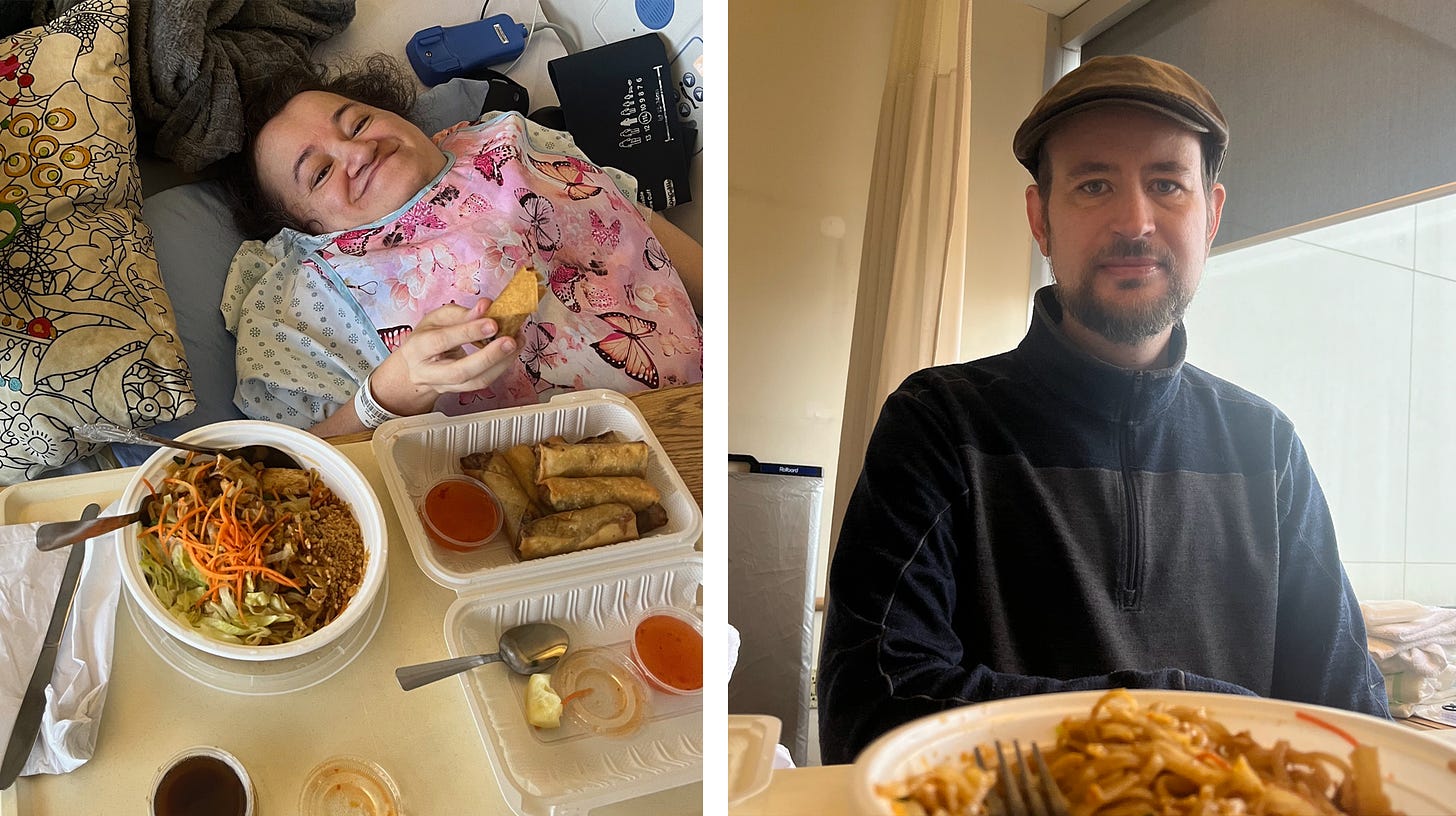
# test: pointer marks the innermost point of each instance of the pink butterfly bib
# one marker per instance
(615, 314)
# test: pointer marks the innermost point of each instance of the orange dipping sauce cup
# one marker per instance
(461, 514)
(667, 646)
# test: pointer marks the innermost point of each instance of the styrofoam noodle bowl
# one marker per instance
(336, 471)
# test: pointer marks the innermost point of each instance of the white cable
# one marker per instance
(567, 41)
(535, 11)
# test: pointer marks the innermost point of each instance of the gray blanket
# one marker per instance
(193, 59)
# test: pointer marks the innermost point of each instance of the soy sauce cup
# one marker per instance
(202, 781)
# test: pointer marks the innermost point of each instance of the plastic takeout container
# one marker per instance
(752, 739)
(336, 471)
(595, 594)
(416, 452)
(571, 769)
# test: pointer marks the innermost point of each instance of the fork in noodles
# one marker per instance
(1126, 759)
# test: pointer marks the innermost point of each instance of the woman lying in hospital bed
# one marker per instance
(369, 301)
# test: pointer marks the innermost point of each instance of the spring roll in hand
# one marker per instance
(516, 302)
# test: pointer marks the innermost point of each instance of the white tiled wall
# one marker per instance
(1351, 330)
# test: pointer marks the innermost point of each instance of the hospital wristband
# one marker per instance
(370, 412)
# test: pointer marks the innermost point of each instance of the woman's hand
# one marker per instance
(431, 361)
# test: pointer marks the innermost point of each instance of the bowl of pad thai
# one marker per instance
(1164, 752)
(248, 562)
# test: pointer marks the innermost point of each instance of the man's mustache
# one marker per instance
(1123, 248)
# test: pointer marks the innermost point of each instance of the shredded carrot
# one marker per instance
(191, 488)
(1303, 715)
(230, 556)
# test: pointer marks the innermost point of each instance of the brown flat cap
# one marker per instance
(1125, 80)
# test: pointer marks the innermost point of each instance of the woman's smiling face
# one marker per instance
(334, 164)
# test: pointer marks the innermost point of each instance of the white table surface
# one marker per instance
(425, 739)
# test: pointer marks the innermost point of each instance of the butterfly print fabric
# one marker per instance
(625, 347)
(503, 203)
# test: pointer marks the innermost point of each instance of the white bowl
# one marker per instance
(1417, 768)
(342, 477)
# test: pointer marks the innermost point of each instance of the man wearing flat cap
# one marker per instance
(1088, 510)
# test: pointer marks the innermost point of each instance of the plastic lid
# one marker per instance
(256, 678)
(348, 786)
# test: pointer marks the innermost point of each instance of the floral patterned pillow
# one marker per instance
(86, 331)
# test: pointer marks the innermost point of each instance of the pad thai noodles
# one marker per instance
(250, 555)
(1126, 758)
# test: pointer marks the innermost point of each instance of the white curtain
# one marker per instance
(913, 268)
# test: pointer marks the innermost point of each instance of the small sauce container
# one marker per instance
(348, 786)
(202, 781)
(601, 691)
(667, 646)
(461, 514)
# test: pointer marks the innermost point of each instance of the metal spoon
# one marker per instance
(58, 534)
(527, 649)
(266, 455)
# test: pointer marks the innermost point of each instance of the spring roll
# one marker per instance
(474, 465)
(516, 302)
(650, 519)
(597, 459)
(577, 530)
(499, 463)
(560, 493)
(522, 459)
(515, 504)
(475, 461)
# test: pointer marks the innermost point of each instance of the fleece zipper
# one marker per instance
(1129, 586)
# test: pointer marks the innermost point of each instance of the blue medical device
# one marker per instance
(440, 54)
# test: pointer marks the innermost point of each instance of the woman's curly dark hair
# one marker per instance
(380, 82)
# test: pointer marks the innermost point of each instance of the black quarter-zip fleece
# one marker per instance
(1043, 521)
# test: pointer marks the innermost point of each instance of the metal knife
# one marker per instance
(32, 706)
